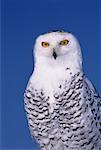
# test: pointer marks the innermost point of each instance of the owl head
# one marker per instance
(58, 47)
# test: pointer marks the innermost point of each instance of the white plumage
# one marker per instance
(62, 106)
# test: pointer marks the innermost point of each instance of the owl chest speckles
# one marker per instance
(69, 121)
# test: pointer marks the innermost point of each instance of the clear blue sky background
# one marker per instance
(22, 21)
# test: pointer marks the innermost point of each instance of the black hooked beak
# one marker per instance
(54, 55)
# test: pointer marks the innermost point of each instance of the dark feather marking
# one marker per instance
(83, 144)
(64, 94)
(98, 117)
(69, 95)
(90, 140)
(100, 131)
(34, 115)
(31, 125)
(67, 68)
(60, 86)
(31, 109)
(78, 115)
(76, 128)
(28, 97)
(92, 102)
(71, 106)
(76, 95)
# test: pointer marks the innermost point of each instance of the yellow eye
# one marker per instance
(45, 44)
(64, 42)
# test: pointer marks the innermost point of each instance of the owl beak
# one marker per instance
(54, 54)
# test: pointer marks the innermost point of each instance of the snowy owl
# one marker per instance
(62, 106)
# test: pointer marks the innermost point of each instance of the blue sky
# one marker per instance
(22, 22)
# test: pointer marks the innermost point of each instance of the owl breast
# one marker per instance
(68, 122)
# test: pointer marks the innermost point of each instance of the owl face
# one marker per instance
(56, 45)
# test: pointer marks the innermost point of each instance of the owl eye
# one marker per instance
(45, 44)
(64, 42)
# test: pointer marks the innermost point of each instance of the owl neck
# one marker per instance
(49, 73)
(72, 62)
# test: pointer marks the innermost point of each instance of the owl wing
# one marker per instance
(95, 102)
(30, 107)
(36, 107)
